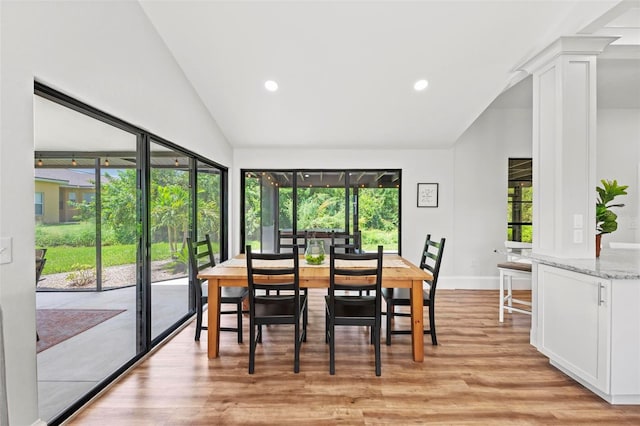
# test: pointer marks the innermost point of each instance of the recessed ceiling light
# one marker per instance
(420, 85)
(271, 85)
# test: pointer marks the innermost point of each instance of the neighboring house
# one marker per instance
(55, 189)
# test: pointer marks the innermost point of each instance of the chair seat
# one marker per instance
(354, 306)
(233, 294)
(276, 306)
(228, 294)
(517, 266)
(402, 296)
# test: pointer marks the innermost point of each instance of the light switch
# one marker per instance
(577, 236)
(6, 252)
(578, 223)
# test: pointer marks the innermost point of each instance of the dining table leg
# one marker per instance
(213, 323)
(417, 326)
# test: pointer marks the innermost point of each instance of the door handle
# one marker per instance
(600, 294)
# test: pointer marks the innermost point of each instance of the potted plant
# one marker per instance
(605, 218)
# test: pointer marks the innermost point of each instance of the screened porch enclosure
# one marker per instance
(319, 202)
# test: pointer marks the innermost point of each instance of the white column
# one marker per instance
(564, 146)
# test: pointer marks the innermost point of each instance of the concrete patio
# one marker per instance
(71, 368)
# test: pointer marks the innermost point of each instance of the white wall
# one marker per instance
(480, 200)
(618, 158)
(108, 55)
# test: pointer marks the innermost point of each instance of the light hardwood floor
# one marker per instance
(482, 372)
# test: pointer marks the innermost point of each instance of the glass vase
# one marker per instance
(314, 254)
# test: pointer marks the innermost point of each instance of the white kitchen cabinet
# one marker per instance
(589, 327)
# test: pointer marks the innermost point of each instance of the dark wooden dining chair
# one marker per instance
(346, 243)
(287, 240)
(430, 260)
(354, 271)
(275, 271)
(201, 257)
(41, 260)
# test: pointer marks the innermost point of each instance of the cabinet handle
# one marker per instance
(600, 288)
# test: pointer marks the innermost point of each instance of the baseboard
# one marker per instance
(479, 283)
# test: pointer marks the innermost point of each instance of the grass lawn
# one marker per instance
(62, 258)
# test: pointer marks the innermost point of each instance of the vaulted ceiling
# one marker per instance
(346, 69)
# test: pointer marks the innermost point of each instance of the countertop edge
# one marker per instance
(611, 275)
(613, 264)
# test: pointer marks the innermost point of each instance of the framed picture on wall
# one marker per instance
(427, 195)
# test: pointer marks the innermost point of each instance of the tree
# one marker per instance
(170, 203)
(119, 202)
(209, 204)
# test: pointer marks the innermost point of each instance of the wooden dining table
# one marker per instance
(397, 272)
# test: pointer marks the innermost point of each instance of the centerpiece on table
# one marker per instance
(314, 254)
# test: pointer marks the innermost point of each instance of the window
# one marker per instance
(520, 200)
(321, 201)
(39, 200)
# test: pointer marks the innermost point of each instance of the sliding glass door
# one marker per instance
(85, 214)
(170, 220)
(113, 207)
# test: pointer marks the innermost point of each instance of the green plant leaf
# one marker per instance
(605, 218)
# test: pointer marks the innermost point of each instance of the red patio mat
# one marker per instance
(57, 325)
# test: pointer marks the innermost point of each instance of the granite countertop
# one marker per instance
(617, 264)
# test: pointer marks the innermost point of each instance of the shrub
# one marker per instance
(76, 235)
(82, 275)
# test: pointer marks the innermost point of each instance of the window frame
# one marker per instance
(41, 203)
(515, 227)
(350, 216)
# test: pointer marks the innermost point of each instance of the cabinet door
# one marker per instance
(574, 309)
